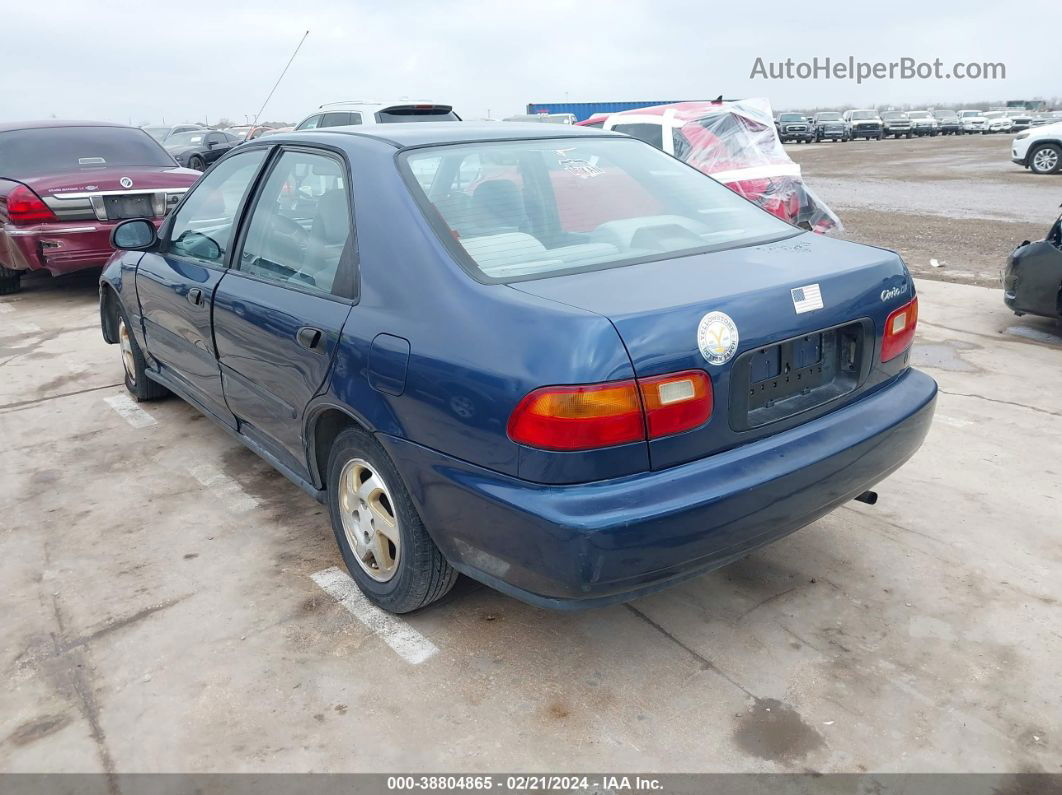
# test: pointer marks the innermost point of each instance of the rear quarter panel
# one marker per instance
(474, 350)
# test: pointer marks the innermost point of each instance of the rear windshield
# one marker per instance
(187, 139)
(50, 150)
(412, 113)
(532, 208)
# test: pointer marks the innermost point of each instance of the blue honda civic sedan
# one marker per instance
(554, 359)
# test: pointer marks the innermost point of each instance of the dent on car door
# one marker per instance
(279, 312)
(176, 284)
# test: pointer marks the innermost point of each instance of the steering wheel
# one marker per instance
(288, 240)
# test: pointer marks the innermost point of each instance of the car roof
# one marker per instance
(407, 134)
(47, 123)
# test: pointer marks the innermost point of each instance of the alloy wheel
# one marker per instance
(1045, 160)
(370, 522)
(125, 342)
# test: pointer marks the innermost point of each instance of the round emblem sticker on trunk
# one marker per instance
(717, 337)
(125, 182)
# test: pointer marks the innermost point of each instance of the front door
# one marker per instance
(175, 285)
(279, 312)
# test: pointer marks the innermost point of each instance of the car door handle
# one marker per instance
(310, 338)
(195, 296)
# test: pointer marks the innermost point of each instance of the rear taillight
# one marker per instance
(617, 412)
(677, 402)
(25, 207)
(579, 417)
(899, 330)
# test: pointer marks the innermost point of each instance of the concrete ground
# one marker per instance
(956, 199)
(158, 609)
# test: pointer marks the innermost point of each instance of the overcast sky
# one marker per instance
(194, 60)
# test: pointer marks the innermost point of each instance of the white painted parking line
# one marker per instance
(405, 641)
(954, 422)
(129, 410)
(224, 488)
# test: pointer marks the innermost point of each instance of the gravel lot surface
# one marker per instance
(956, 199)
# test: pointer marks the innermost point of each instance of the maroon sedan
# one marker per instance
(65, 184)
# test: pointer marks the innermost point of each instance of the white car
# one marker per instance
(341, 114)
(1039, 149)
(923, 122)
(997, 121)
(973, 121)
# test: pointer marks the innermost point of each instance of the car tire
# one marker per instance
(1045, 159)
(10, 281)
(366, 496)
(195, 162)
(134, 364)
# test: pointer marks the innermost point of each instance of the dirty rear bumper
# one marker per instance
(597, 543)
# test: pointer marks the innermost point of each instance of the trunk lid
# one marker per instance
(657, 308)
(98, 180)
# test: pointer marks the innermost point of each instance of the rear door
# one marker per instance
(175, 285)
(279, 312)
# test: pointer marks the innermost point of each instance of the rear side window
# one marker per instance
(339, 119)
(650, 133)
(48, 150)
(301, 227)
(202, 228)
(406, 113)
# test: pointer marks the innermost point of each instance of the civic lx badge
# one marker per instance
(125, 182)
(807, 298)
(717, 337)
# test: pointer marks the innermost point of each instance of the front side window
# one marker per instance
(532, 208)
(300, 227)
(310, 124)
(202, 227)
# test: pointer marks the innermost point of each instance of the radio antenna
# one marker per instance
(292, 58)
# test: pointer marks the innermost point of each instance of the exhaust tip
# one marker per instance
(869, 497)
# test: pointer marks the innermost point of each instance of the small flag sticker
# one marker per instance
(807, 298)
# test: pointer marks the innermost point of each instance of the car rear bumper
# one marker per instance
(57, 247)
(596, 543)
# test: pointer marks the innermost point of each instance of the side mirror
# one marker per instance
(211, 144)
(136, 234)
